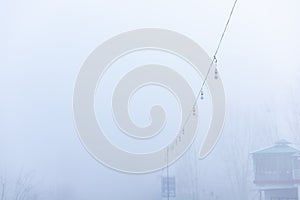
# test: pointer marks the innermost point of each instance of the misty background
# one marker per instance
(44, 43)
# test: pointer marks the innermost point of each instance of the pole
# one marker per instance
(168, 186)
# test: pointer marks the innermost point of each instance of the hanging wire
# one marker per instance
(201, 93)
(217, 51)
(214, 60)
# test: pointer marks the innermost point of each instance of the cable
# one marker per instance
(217, 50)
(221, 39)
(212, 62)
(200, 93)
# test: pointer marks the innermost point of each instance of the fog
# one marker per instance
(44, 43)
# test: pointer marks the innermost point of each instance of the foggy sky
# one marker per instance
(44, 43)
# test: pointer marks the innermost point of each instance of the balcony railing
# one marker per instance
(296, 174)
(274, 177)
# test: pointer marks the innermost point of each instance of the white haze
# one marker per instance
(44, 43)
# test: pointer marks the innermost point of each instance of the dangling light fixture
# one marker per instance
(202, 95)
(215, 65)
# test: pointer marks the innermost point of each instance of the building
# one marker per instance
(277, 172)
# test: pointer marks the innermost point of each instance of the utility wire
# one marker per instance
(214, 60)
(225, 29)
(217, 50)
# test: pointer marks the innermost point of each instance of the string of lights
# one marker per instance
(212, 65)
(200, 94)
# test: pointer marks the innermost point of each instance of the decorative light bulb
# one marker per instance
(215, 63)
(216, 73)
(194, 111)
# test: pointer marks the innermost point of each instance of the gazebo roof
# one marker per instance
(282, 146)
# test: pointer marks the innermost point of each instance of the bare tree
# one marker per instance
(22, 189)
(246, 131)
(293, 108)
(237, 159)
(3, 187)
